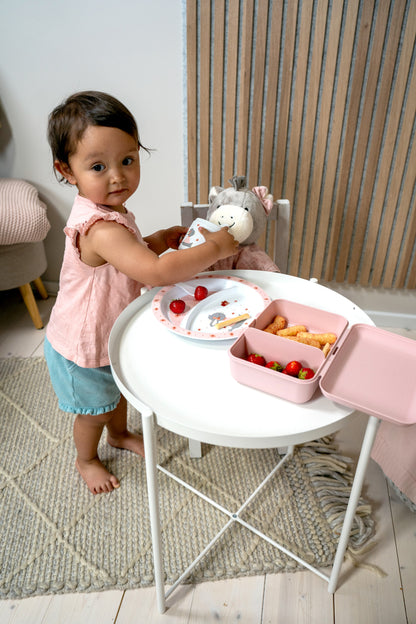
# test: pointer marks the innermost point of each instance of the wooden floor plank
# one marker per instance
(27, 611)
(298, 598)
(236, 600)
(139, 607)
(63, 609)
(405, 532)
(90, 608)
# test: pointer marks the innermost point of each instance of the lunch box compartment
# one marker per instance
(282, 350)
(316, 321)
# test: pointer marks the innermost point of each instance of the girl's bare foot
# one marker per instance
(96, 476)
(129, 441)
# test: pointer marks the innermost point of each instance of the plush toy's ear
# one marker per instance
(262, 192)
(215, 190)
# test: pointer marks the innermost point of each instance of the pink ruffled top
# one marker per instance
(90, 298)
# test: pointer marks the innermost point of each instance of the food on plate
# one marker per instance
(256, 358)
(274, 366)
(293, 368)
(224, 303)
(279, 322)
(201, 292)
(232, 321)
(321, 338)
(306, 373)
(177, 306)
(293, 330)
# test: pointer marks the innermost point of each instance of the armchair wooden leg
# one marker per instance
(41, 288)
(29, 299)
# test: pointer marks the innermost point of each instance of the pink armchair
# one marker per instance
(23, 228)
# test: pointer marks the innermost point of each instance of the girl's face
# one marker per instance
(105, 167)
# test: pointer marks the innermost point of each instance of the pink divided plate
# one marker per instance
(229, 298)
(374, 371)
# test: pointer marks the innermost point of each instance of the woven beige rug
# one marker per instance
(56, 537)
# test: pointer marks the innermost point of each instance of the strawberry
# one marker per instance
(293, 368)
(177, 306)
(200, 293)
(306, 373)
(255, 358)
(274, 366)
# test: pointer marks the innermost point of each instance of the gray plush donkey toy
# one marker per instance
(245, 213)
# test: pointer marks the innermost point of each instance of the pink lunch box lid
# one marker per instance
(374, 371)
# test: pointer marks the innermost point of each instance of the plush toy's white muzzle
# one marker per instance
(238, 220)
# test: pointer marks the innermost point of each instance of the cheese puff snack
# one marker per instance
(326, 349)
(305, 340)
(321, 338)
(291, 331)
(279, 322)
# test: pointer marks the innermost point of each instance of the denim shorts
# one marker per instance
(81, 390)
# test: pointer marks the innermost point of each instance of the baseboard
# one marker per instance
(386, 307)
(51, 287)
(392, 319)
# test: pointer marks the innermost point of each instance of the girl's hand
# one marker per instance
(174, 236)
(223, 239)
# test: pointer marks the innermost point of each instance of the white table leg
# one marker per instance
(195, 449)
(367, 445)
(149, 438)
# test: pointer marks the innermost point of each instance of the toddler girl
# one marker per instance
(96, 147)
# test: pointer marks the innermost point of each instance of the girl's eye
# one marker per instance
(128, 160)
(97, 167)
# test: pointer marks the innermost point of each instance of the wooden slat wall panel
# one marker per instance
(315, 99)
(192, 97)
(381, 224)
(217, 84)
(330, 218)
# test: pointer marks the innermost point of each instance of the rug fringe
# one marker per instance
(365, 566)
(332, 478)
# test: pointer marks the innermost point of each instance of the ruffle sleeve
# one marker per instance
(82, 228)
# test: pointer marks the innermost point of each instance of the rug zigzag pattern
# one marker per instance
(58, 538)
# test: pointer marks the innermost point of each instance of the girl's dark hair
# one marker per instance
(68, 121)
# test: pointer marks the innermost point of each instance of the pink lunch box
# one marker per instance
(367, 368)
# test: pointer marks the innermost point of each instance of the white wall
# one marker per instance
(129, 48)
